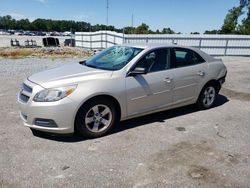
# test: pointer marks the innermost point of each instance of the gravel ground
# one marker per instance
(177, 148)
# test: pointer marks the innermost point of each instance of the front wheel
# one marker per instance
(96, 118)
(207, 97)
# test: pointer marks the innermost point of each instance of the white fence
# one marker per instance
(236, 45)
(98, 40)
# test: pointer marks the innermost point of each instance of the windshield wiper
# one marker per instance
(88, 65)
(94, 66)
(82, 62)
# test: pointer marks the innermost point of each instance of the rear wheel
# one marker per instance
(96, 118)
(207, 97)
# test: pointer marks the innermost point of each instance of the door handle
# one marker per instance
(201, 73)
(168, 80)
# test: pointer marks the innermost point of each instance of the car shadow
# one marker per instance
(164, 115)
(136, 122)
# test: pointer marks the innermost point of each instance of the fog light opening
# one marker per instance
(45, 122)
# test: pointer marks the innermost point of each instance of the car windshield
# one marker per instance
(113, 58)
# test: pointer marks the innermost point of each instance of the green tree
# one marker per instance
(231, 21)
(7, 22)
(129, 30)
(23, 24)
(244, 28)
(142, 29)
(40, 25)
(212, 32)
(167, 31)
(194, 33)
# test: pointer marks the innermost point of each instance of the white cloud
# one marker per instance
(41, 1)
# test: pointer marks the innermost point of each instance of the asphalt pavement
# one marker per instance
(176, 148)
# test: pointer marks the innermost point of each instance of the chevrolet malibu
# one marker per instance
(119, 83)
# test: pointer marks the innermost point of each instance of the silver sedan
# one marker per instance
(119, 83)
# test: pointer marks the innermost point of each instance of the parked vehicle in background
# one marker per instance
(119, 83)
(40, 33)
(19, 32)
(4, 32)
(66, 34)
(11, 32)
(29, 33)
(55, 33)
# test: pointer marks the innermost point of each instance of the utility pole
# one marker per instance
(107, 13)
(132, 30)
(132, 20)
(107, 23)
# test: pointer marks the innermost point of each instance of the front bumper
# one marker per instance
(223, 79)
(53, 117)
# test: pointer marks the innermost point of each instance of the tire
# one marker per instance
(207, 97)
(95, 118)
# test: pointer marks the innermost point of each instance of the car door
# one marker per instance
(189, 73)
(153, 90)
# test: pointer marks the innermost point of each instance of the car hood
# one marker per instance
(68, 74)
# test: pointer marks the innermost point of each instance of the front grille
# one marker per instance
(26, 88)
(23, 97)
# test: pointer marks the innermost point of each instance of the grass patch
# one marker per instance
(43, 52)
(15, 53)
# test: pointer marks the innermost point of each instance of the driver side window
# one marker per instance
(156, 60)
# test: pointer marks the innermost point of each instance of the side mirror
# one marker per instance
(136, 71)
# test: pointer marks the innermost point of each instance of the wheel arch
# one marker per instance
(217, 87)
(214, 82)
(105, 97)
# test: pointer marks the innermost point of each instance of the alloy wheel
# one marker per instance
(98, 118)
(209, 96)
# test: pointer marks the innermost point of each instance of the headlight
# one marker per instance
(54, 94)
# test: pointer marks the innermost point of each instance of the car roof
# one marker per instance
(148, 45)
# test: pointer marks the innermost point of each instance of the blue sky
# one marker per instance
(181, 15)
